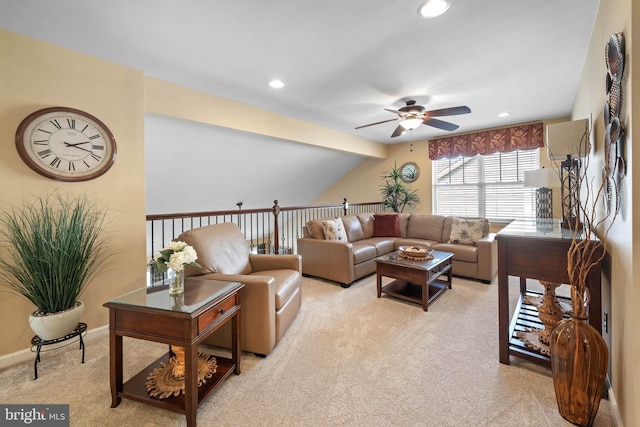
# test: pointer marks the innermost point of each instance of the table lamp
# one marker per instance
(542, 179)
(569, 142)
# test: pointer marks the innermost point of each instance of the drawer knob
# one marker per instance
(221, 311)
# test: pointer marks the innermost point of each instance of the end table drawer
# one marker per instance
(211, 315)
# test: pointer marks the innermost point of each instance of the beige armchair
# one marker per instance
(271, 296)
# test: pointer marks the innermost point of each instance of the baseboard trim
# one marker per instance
(20, 356)
(613, 402)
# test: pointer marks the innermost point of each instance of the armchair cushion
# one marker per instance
(221, 248)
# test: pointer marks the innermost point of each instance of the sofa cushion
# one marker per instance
(314, 228)
(366, 221)
(334, 230)
(362, 253)
(466, 232)
(383, 245)
(424, 226)
(221, 248)
(403, 224)
(353, 228)
(464, 253)
(385, 225)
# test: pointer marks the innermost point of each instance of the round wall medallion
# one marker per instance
(409, 172)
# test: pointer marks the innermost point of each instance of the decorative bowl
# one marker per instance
(414, 251)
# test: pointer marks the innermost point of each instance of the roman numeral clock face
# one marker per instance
(65, 144)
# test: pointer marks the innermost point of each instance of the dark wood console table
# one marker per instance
(151, 314)
(530, 252)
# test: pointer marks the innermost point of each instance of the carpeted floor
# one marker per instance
(349, 359)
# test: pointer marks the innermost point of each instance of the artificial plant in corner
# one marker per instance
(53, 247)
(395, 194)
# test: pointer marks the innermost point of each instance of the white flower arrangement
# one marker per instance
(175, 256)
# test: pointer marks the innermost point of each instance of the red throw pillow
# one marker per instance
(386, 225)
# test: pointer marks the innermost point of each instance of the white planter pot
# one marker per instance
(56, 325)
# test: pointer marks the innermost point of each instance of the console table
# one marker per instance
(185, 321)
(528, 251)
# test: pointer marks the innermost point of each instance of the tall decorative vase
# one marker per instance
(579, 360)
(176, 282)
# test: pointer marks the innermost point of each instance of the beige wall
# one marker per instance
(36, 75)
(622, 267)
(362, 184)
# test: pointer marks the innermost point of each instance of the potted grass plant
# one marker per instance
(53, 247)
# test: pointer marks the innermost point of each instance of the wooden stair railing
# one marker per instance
(268, 230)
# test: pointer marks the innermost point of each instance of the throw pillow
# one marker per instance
(466, 231)
(386, 225)
(334, 230)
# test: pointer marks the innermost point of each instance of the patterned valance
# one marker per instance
(524, 137)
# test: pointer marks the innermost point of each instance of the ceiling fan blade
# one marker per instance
(440, 124)
(392, 111)
(451, 111)
(399, 131)
(377, 123)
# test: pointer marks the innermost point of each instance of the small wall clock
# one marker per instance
(66, 144)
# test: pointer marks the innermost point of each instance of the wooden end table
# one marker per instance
(417, 281)
(185, 321)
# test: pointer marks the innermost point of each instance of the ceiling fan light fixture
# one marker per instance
(433, 8)
(411, 124)
(276, 84)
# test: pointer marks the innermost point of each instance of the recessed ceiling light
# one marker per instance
(504, 114)
(433, 8)
(276, 84)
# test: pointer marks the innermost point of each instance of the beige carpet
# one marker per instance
(348, 359)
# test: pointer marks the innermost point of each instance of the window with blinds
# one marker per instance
(485, 186)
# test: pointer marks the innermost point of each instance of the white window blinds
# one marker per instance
(485, 186)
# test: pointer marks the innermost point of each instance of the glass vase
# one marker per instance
(176, 282)
(579, 360)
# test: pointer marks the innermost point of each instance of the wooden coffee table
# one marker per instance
(416, 281)
(151, 314)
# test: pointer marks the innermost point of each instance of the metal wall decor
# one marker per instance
(614, 164)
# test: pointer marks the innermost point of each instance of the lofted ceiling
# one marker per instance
(342, 62)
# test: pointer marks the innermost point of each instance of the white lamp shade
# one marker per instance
(568, 139)
(541, 178)
(411, 124)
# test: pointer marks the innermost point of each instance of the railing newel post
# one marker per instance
(276, 215)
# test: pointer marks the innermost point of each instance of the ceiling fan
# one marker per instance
(411, 116)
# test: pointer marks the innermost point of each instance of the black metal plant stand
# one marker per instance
(38, 343)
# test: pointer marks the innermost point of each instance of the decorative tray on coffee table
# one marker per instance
(418, 253)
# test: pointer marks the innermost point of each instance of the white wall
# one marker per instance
(219, 167)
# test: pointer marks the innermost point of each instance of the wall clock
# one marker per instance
(66, 144)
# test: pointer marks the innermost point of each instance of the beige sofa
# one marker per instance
(346, 261)
(271, 298)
